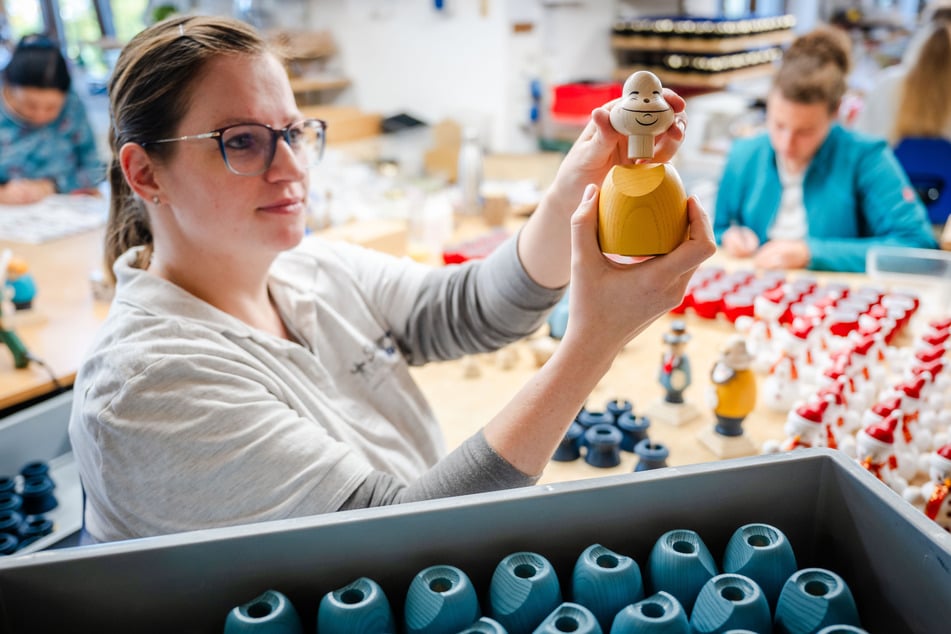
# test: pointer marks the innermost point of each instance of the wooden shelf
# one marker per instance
(702, 80)
(713, 46)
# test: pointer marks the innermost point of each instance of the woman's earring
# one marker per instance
(155, 199)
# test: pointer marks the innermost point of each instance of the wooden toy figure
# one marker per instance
(675, 377)
(732, 396)
(643, 206)
(875, 451)
(935, 491)
(674, 373)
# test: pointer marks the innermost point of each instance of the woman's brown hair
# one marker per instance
(815, 68)
(924, 108)
(149, 93)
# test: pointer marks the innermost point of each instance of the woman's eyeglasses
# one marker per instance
(248, 148)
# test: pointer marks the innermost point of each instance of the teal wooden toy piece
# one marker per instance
(440, 599)
(569, 617)
(360, 607)
(604, 446)
(680, 564)
(811, 599)
(604, 582)
(660, 613)
(762, 553)
(523, 591)
(651, 455)
(270, 613)
(728, 602)
(484, 625)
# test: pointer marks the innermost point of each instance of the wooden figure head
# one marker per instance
(642, 113)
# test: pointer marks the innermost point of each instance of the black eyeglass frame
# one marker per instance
(284, 133)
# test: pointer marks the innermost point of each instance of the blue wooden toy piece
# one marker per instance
(730, 601)
(570, 446)
(680, 564)
(633, 429)
(270, 613)
(523, 591)
(37, 495)
(811, 599)
(8, 544)
(762, 553)
(33, 528)
(604, 582)
(660, 613)
(651, 455)
(617, 406)
(360, 607)
(440, 599)
(604, 446)
(569, 617)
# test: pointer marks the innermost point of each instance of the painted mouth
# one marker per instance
(646, 117)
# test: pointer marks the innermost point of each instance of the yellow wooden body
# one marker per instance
(737, 397)
(642, 211)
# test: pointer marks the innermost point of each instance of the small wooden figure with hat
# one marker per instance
(732, 395)
(674, 375)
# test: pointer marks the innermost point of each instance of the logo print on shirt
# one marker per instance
(368, 362)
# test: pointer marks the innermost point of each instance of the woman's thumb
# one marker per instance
(584, 221)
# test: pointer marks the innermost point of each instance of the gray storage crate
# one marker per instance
(836, 515)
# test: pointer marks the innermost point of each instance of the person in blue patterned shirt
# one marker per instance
(46, 143)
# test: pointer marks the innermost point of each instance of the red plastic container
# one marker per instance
(576, 101)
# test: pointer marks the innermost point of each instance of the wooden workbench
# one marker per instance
(64, 319)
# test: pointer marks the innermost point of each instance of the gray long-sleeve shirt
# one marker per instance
(185, 417)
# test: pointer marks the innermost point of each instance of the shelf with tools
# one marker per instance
(700, 52)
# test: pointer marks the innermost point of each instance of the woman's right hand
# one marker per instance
(610, 303)
(740, 242)
(24, 192)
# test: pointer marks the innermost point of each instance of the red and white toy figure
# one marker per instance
(875, 451)
(888, 411)
(806, 426)
(782, 385)
(934, 494)
(760, 331)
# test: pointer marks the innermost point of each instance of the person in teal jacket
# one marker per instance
(809, 193)
(47, 145)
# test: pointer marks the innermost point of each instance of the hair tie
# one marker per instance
(181, 29)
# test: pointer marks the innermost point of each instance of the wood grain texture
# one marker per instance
(642, 211)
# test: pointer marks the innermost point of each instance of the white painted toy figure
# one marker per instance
(782, 385)
(675, 376)
(760, 330)
(888, 411)
(805, 427)
(643, 206)
(875, 451)
(935, 491)
(732, 396)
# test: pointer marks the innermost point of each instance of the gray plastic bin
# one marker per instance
(836, 515)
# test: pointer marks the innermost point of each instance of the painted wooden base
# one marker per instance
(642, 210)
(672, 413)
(727, 446)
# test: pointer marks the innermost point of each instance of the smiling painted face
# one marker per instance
(642, 111)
